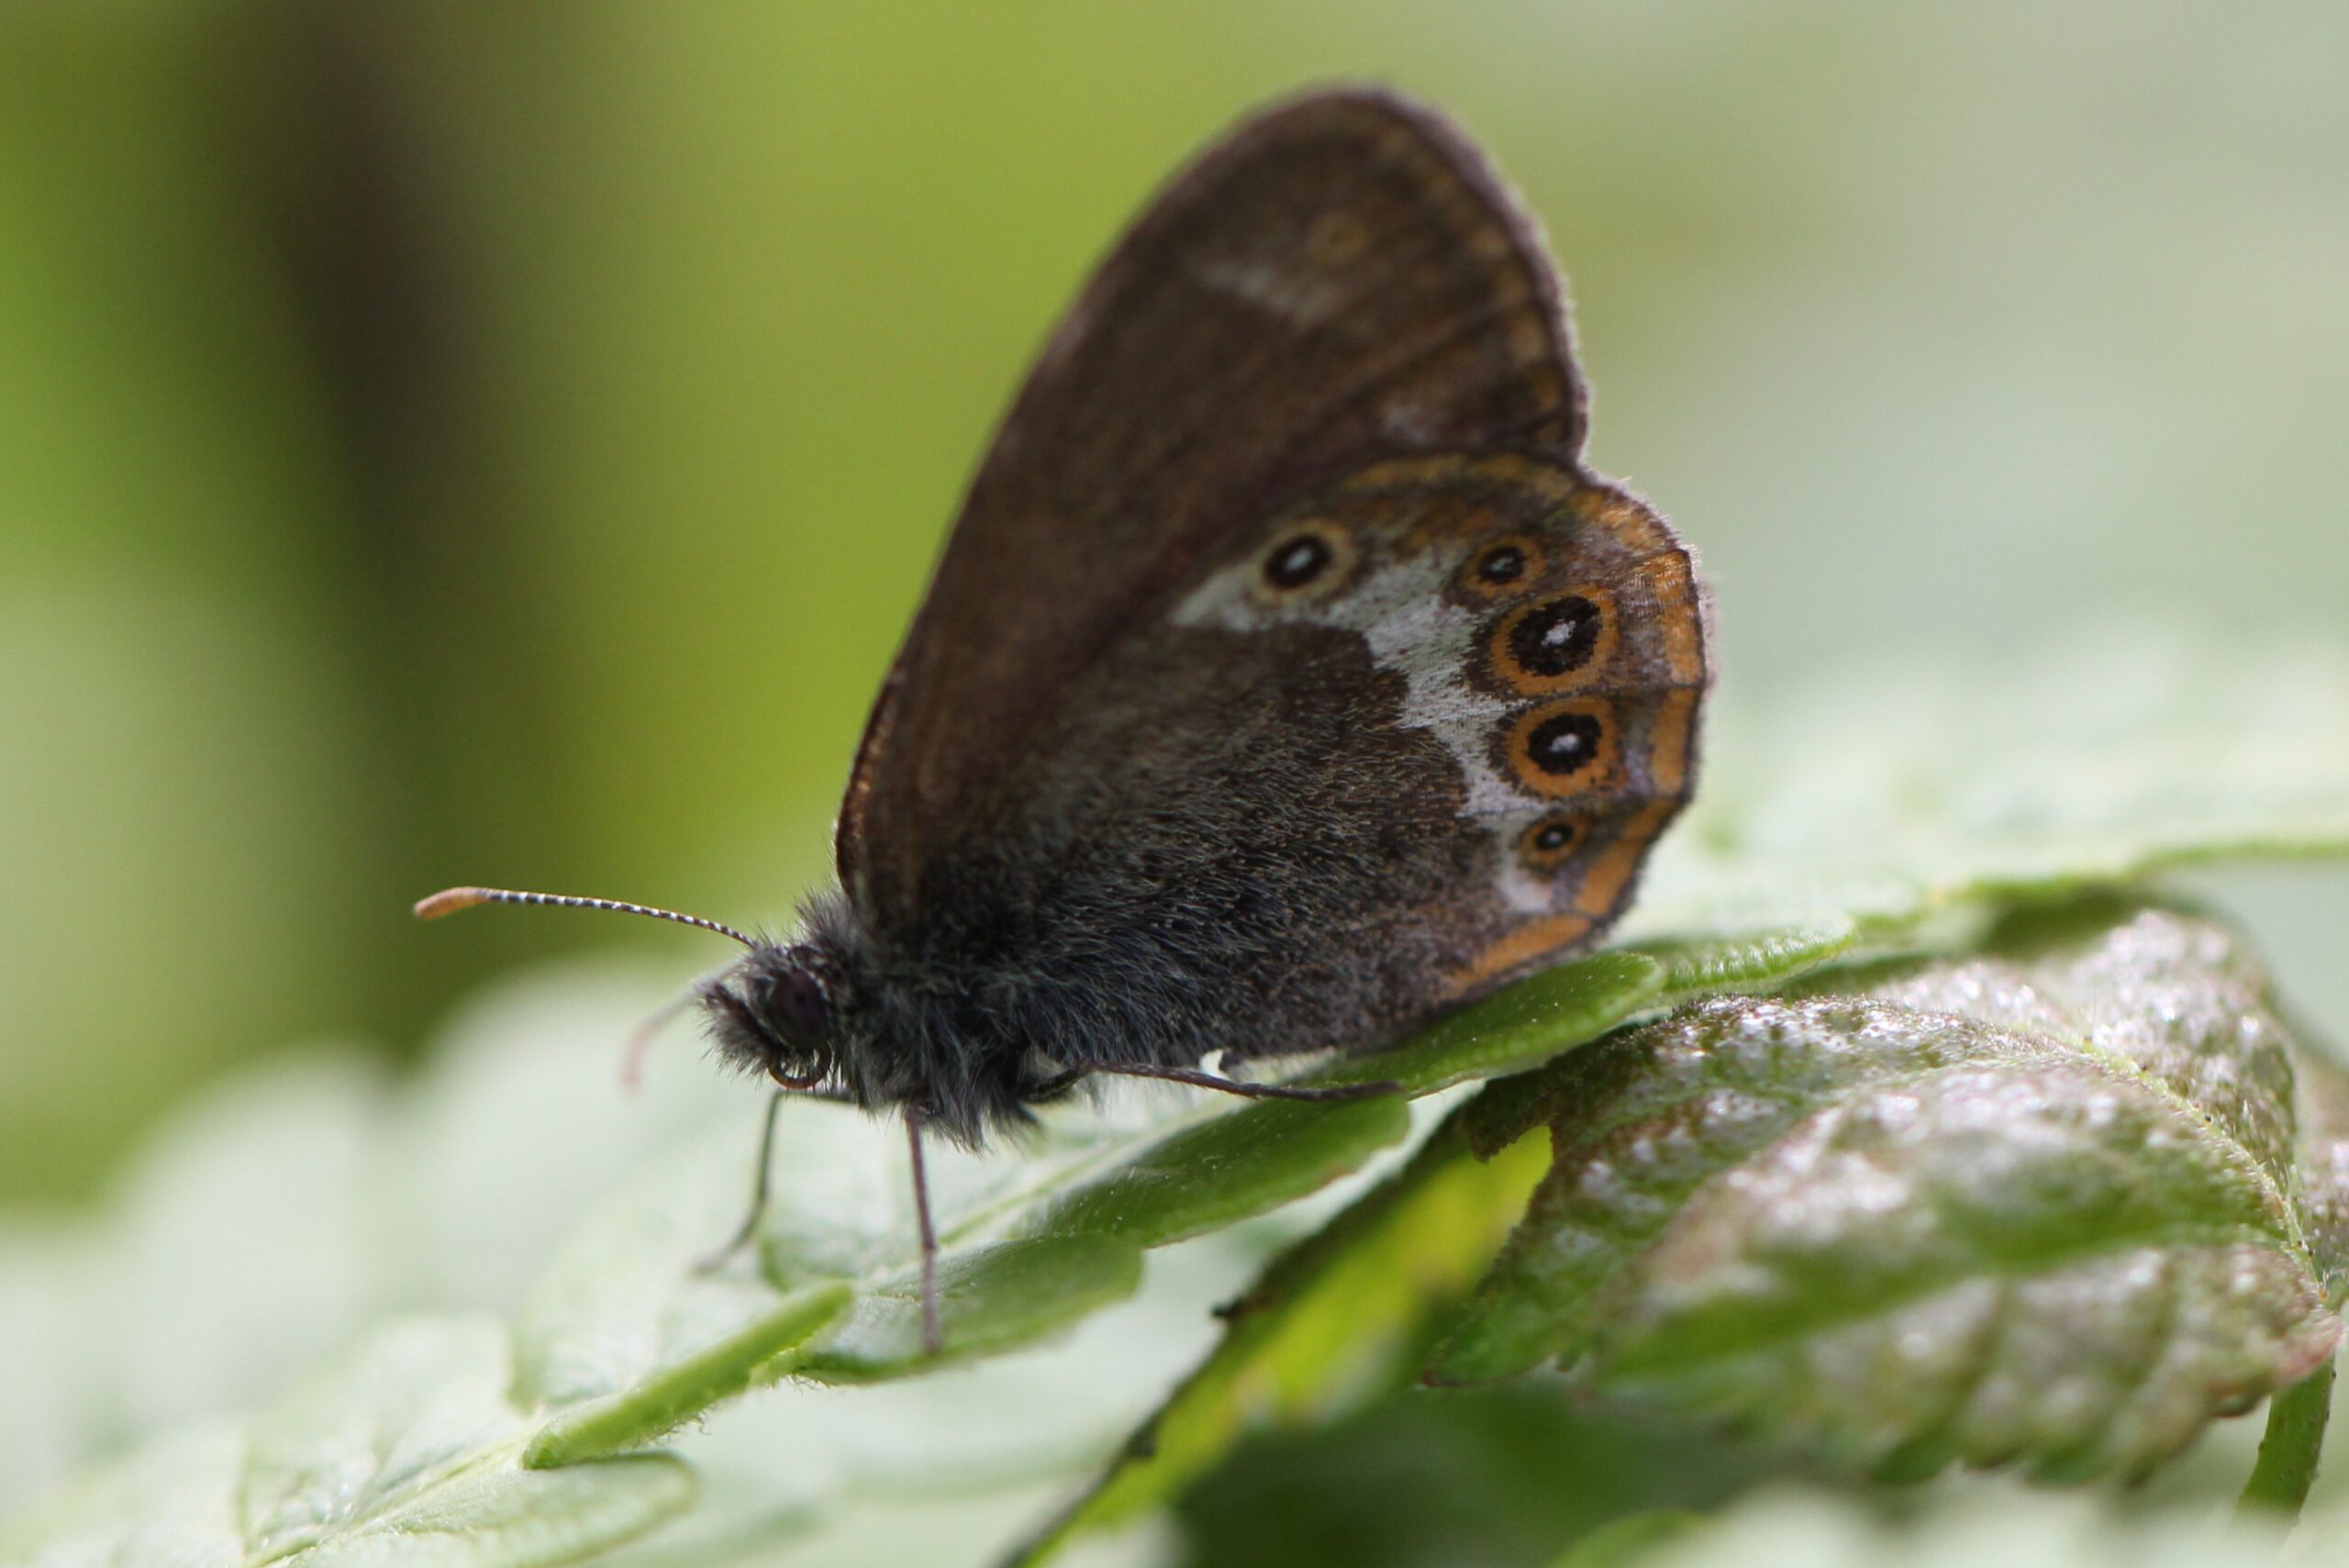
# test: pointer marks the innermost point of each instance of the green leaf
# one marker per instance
(685, 1386)
(1528, 1022)
(1332, 1324)
(1636, 1539)
(172, 1500)
(371, 1432)
(1171, 1190)
(2046, 1205)
(403, 1452)
(1990, 1523)
(516, 1519)
(2324, 1163)
(990, 1299)
(1702, 966)
(1880, 827)
(626, 1318)
(1880, 797)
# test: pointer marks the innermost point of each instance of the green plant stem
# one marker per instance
(2290, 1449)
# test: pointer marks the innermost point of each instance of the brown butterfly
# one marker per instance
(1286, 680)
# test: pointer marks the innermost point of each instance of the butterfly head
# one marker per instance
(778, 1014)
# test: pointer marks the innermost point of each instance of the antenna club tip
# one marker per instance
(448, 900)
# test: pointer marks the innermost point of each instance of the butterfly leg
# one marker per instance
(930, 1339)
(1246, 1091)
(763, 1176)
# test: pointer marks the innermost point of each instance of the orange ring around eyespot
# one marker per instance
(1603, 770)
(1501, 657)
(1537, 858)
(1473, 582)
(1343, 557)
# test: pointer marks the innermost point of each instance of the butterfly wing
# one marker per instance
(1538, 635)
(1340, 278)
(1222, 713)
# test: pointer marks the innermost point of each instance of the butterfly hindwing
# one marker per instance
(1546, 629)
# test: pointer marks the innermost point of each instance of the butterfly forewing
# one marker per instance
(1341, 279)
(1286, 676)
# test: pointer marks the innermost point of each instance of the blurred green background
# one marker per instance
(480, 442)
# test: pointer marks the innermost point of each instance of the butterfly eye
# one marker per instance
(796, 1008)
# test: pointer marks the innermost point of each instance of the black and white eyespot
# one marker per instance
(1305, 560)
(1503, 567)
(1296, 561)
(1556, 637)
(1554, 643)
(1565, 745)
(1501, 564)
(1550, 842)
(1563, 749)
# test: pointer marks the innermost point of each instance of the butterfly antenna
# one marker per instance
(448, 901)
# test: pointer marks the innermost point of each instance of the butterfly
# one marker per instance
(1285, 681)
